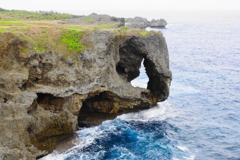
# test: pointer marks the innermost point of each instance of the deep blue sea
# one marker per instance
(201, 118)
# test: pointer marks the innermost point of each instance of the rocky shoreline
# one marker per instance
(136, 22)
(45, 96)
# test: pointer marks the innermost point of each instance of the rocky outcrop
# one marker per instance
(96, 19)
(136, 22)
(139, 22)
(44, 97)
(158, 23)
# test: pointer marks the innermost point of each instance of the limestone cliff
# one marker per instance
(43, 95)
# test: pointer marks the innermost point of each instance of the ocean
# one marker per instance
(201, 118)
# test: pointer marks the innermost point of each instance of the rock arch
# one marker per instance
(132, 52)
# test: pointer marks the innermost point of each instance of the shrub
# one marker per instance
(88, 19)
(125, 27)
(144, 33)
(72, 38)
(3, 30)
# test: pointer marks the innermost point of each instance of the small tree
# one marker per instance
(1, 9)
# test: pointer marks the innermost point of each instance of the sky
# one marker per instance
(33, 5)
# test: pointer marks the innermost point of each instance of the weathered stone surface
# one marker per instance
(137, 22)
(158, 23)
(42, 95)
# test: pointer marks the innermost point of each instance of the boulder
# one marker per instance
(137, 22)
(158, 23)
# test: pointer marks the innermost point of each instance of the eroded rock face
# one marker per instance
(139, 22)
(44, 97)
(158, 23)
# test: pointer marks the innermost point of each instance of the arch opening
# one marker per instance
(130, 66)
(142, 80)
(132, 54)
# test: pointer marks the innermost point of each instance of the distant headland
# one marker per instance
(94, 18)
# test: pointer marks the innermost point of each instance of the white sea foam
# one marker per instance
(54, 156)
(162, 111)
(88, 135)
(183, 148)
(192, 157)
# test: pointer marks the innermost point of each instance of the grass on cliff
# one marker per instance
(5, 23)
(26, 15)
(72, 39)
(125, 27)
(39, 29)
(84, 27)
(88, 19)
(145, 33)
(60, 40)
(42, 32)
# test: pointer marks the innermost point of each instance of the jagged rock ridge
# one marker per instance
(44, 97)
(139, 22)
(136, 22)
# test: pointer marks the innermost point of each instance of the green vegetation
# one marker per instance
(10, 19)
(12, 24)
(125, 27)
(88, 19)
(72, 38)
(91, 27)
(144, 33)
(42, 34)
(155, 32)
(96, 28)
(3, 30)
(41, 15)
(78, 28)
(75, 28)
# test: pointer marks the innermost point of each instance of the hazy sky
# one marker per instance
(68, 5)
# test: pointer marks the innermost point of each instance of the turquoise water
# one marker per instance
(201, 118)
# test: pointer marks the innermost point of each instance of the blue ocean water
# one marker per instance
(201, 118)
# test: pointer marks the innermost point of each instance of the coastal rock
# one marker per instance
(137, 22)
(158, 23)
(45, 97)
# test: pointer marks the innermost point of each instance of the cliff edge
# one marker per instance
(45, 96)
